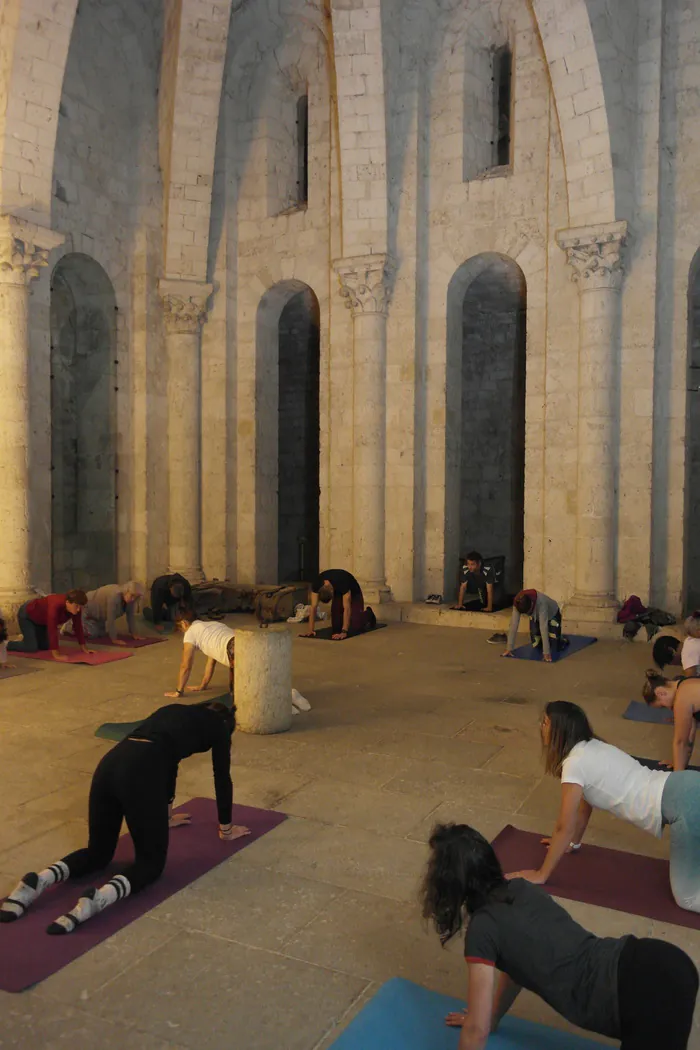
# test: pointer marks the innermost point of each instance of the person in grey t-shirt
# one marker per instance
(641, 991)
(545, 622)
(104, 607)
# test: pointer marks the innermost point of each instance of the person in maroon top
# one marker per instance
(40, 619)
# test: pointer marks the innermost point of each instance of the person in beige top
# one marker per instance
(106, 604)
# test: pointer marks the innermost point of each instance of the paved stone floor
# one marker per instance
(281, 945)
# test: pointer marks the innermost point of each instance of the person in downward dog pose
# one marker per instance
(641, 991)
(596, 775)
(682, 696)
(135, 782)
(545, 623)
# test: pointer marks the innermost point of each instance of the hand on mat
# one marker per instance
(339, 637)
(548, 842)
(233, 831)
(194, 688)
(61, 658)
(89, 652)
(456, 1019)
(137, 637)
(547, 659)
(531, 876)
(179, 820)
(119, 641)
(507, 653)
(309, 634)
(172, 692)
(7, 667)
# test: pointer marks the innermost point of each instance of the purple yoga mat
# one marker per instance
(594, 875)
(29, 955)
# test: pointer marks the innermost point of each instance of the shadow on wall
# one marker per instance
(83, 425)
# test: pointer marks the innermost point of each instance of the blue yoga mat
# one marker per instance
(577, 642)
(404, 1016)
(637, 711)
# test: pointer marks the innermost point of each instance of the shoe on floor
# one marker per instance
(300, 702)
(499, 638)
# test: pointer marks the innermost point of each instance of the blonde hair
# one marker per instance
(134, 588)
(692, 624)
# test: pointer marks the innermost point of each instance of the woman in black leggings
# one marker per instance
(135, 781)
(639, 991)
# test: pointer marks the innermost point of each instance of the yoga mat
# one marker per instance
(577, 642)
(405, 1016)
(593, 875)
(27, 953)
(76, 656)
(130, 643)
(637, 711)
(327, 633)
(18, 669)
(118, 730)
(653, 763)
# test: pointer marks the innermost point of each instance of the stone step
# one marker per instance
(443, 616)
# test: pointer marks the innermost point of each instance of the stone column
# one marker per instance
(262, 683)
(24, 248)
(363, 285)
(184, 305)
(594, 254)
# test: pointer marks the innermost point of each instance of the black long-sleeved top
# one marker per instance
(188, 729)
(160, 594)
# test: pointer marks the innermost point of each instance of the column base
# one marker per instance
(191, 574)
(10, 601)
(375, 593)
(592, 608)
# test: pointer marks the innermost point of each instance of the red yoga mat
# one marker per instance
(130, 643)
(76, 656)
(29, 955)
(594, 875)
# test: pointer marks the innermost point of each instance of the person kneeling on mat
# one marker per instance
(135, 782)
(39, 621)
(596, 775)
(682, 696)
(639, 990)
(210, 637)
(348, 613)
(105, 606)
(167, 593)
(545, 623)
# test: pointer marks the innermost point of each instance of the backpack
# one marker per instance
(274, 604)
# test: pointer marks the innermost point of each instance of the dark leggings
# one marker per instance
(554, 632)
(131, 782)
(358, 620)
(657, 986)
(34, 635)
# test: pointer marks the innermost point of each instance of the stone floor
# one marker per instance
(281, 945)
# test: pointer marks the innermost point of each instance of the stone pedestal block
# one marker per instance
(263, 679)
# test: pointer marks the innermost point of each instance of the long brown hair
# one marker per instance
(653, 681)
(569, 726)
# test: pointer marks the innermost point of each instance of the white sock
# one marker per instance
(300, 701)
(90, 904)
(29, 888)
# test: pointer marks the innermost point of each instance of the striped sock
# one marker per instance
(31, 886)
(90, 904)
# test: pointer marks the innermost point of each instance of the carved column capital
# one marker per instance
(364, 283)
(184, 305)
(595, 254)
(24, 249)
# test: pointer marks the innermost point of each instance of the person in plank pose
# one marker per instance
(348, 612)
(545, 623)
(105, 606)
(135, 782)
(641, 991)
(40, 619)
(682, 696)
(596, 775)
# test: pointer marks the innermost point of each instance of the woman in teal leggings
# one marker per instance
(596, 775)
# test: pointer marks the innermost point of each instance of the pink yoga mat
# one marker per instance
(594, 875)
(29, 955)
(130, 643)
(76, 656)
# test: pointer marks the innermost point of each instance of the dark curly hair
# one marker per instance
(463, 875)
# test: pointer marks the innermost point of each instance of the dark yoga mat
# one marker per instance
(19, 669)
(326, 633)
(637, 711)
(654, 763)
(577, 642)
(27, 953)
(118, 730)
(404, 1016)
(129, 643)
(593, 875)
(76, 656)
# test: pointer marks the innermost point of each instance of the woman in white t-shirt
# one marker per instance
(210, 637)
(682, 696)
(690, 653)
(596, 775)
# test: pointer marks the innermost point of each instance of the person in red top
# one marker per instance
(40, 619)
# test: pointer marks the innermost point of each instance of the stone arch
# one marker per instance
(287, 432)
(485, 414)
(692, 493)
(83, 424)
(574, 69)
